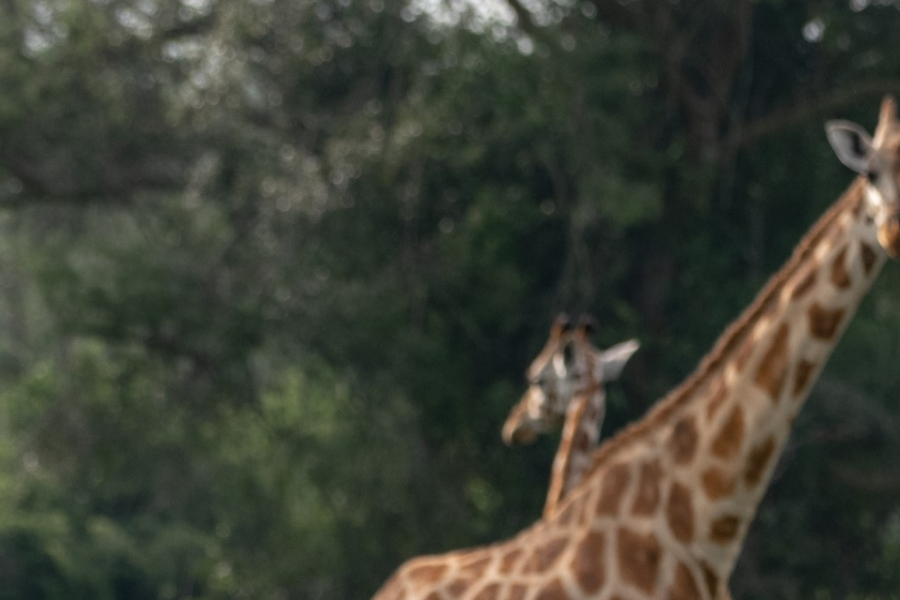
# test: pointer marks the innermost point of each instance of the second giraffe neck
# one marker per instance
(580, 434)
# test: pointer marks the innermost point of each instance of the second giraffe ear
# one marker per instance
(612, 360)
(851, 143)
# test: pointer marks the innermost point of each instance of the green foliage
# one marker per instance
(272, 271)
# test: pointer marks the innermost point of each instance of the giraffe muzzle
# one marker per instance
(522, 427)
(889, 235)
(518, 436)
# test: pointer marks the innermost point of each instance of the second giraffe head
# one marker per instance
(878, 160)
(568, 365)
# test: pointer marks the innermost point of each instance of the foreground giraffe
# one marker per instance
(567, 380)
(666, 505)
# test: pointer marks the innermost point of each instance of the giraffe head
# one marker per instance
(568, 365)
(878, 160)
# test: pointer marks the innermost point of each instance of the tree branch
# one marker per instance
(614, 13)
(114, 182)
(523, 16)
(868, 481)
(804, 111)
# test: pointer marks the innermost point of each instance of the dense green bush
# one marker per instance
(271, 272)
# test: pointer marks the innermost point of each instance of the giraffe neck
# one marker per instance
(747, 409)
(689, 476)
(580, 434)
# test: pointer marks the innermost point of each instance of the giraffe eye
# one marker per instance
(872, 176)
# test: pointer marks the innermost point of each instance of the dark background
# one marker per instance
(271, 272)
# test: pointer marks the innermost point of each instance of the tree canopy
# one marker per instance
(271, 272)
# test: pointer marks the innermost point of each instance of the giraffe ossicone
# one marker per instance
(666, 504)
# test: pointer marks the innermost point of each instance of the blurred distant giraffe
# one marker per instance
(567, 380)
(666, 504)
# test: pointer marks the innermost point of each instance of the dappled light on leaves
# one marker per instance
(271, 271)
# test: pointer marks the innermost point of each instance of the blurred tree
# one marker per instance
(272, 271)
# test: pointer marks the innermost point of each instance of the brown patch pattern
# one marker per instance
(517, 591)
(615, 482)
(582, 441)
(823, 322)
(509, 560)
(743, 354)
(639, 557)
(587, 563)
(716, 399)
(476, 566)
(868, 256)
(857, 209)
(717, 483)
(587, 515)
(544, 556)
(680, 513)
(683, 587)
(458, 587)
(889, 236)
(724, 529)
(489, 592)
(802, 375)
(647, 498)
(758, 460)
(683, 441)
(566, 515)
(570, 513)
(728, 441)
(553, 591)
(840, 276)
(806, 283)
(773, 367)
(711, 578)
(833, 234)
(427, 573)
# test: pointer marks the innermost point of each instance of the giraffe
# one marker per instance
(665, 507)
(567, 379)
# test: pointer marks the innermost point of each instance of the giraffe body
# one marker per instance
(666, 504)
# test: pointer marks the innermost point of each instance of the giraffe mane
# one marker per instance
(732, 337)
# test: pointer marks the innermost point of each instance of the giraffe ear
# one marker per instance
(612, 360)
(851, 143)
